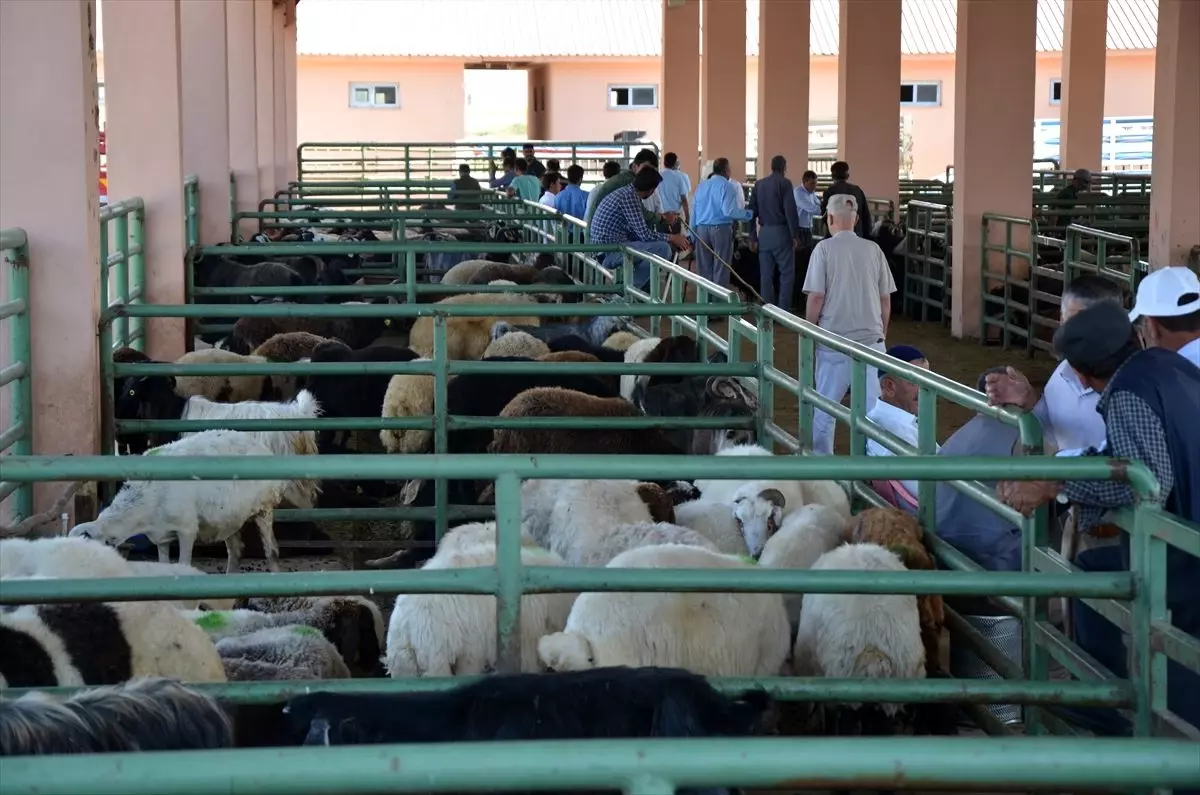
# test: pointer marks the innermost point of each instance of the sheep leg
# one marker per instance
(265, 522)
(186, 542)
(164, 551)
(233, 553)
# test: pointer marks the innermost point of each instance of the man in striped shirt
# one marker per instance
(619, 218)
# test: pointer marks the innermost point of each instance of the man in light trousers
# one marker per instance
(849, 288)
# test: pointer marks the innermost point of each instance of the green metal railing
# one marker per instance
(927, 251)
(1007, 264)
(191, 209)
(17, 435)
(123, 267)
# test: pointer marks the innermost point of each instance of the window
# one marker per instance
(632, 97)
(100, 93)
(374, 95)
(921, 93)
(1055, 92)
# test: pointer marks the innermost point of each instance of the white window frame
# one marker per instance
(371, 87)
(917, 104)
(630, 87)
(1053, 81)
(100, 93)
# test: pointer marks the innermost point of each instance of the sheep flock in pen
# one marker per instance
(598, 663)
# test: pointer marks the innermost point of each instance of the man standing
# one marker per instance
(644, 158)
(849, 287)
(840, 171)
(524, 185)
(534, 167)
(808, 206)
(465, 192)
(572, 200)
(510, 173)
(675, 188)
(773, 207)
(716, 210)
(1081, 182)
(1168, 304)
(620, 218)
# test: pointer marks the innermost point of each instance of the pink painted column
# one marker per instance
(145, 150)
(723, 81)
(264, 79)
(783, 56)
(1175, 201)
(289, 65)
(50, 164)
(993, 135)
(869, 94)
(1085, 29)
(206, 111)
(243, 106)
(279, 89)
(679, 94)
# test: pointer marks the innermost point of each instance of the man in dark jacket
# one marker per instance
(533, 166)
(775, 233)
(840, 171)
(466, 191)
(1149, 400)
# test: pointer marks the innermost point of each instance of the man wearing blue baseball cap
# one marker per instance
(896, 412)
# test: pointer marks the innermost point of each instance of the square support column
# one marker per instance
(1085, 28)
(783, 75)
(994, 77)
(289, 65)
(1175, 201)
(145, 148)
(723, 75)
(206, 112)
(243, 106)
(264, 80)
(49, 156)
(279, 89)
(869, 84)
(679, 98)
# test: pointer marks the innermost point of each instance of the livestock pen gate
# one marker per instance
(753, 339)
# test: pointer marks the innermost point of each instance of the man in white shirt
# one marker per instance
(896, 412)
(1168, 302)
(849, 287)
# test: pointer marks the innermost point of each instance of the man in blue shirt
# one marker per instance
(510, 173)
(715, 210)
(808, 207)
(675, 188)
(619, 218)
(573, 199)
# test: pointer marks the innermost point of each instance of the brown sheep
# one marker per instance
(469, 337)
(895, 530)
(357, 332)
(127, 355)
(581, 356)
(289, 347)
(659, 501)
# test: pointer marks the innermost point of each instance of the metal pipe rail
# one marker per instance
(123, 270)
(16, 438)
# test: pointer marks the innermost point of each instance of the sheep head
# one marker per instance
(500, 328)
(566, 651)
(759, 514)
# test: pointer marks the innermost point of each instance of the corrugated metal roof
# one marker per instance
(528, 29)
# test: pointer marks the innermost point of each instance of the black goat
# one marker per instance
(574, 342)
(353, 395)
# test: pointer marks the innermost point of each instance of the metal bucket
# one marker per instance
(1003, 632)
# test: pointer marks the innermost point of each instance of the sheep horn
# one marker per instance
(773, 496)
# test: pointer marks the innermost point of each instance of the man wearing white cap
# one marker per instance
(1168, 301)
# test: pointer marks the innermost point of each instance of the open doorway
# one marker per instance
(497, 98)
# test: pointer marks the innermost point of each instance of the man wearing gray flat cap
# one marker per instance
(1150, 402)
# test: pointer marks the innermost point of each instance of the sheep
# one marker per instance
(711, 441)
(795, 493)
(636, 354)
(455, 634)
(151, 714)
(281, 653)
(127, 355)
(557, 402)
(353, 624)
(902, 534)
(593, 330)
(354, 395)
(101, 643)
(516, 274)
(223, 388)
(517, 343)
(574, 342)
(860, 635)
(197, 510)
(147, 568)
(408, 395)
(803, 537)
(621, 340)
(462, 272)
(295, 346)
(714, 521)
(357, 332)
(469, 337)
(60, 558)
(715, 634)
(605, 703)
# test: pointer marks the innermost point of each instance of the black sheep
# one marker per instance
(147, 397)
(574, 342)
(351, 396)
(608, 703)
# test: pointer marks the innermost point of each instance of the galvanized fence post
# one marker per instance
(19, 436)
(510, 573)
(120, 273)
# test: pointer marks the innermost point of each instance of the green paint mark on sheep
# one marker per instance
(154, 450)
(749, 561)
(212, 620)
(303, 630)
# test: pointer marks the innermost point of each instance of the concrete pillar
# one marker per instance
(143, 94)
(51, 165)
(1085, 27)
(206, 112)
(264, 80)
(679, 84)
(289, 65)
(279, 91)
(243, 106)
(994, 75)
(868, 85)
(723, 81)
(783, 56)
(1175, 201)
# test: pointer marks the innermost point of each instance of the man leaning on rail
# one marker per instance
(1150, 401)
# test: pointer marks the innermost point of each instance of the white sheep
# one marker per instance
(455, 634)
(804, 536)
(65, 558)
(288, 652)
(621, 340)
(465, 536)
(462, 272)
(570, 517)
(716, 522)
(635, 354)
(860, 635)
(714, 634)
(194, 510)
(408, 395)
(300, 493)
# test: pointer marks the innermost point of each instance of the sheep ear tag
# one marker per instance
(411, 488)
(387, 321)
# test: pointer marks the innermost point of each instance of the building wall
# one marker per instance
(432, 100)
(577, 99)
